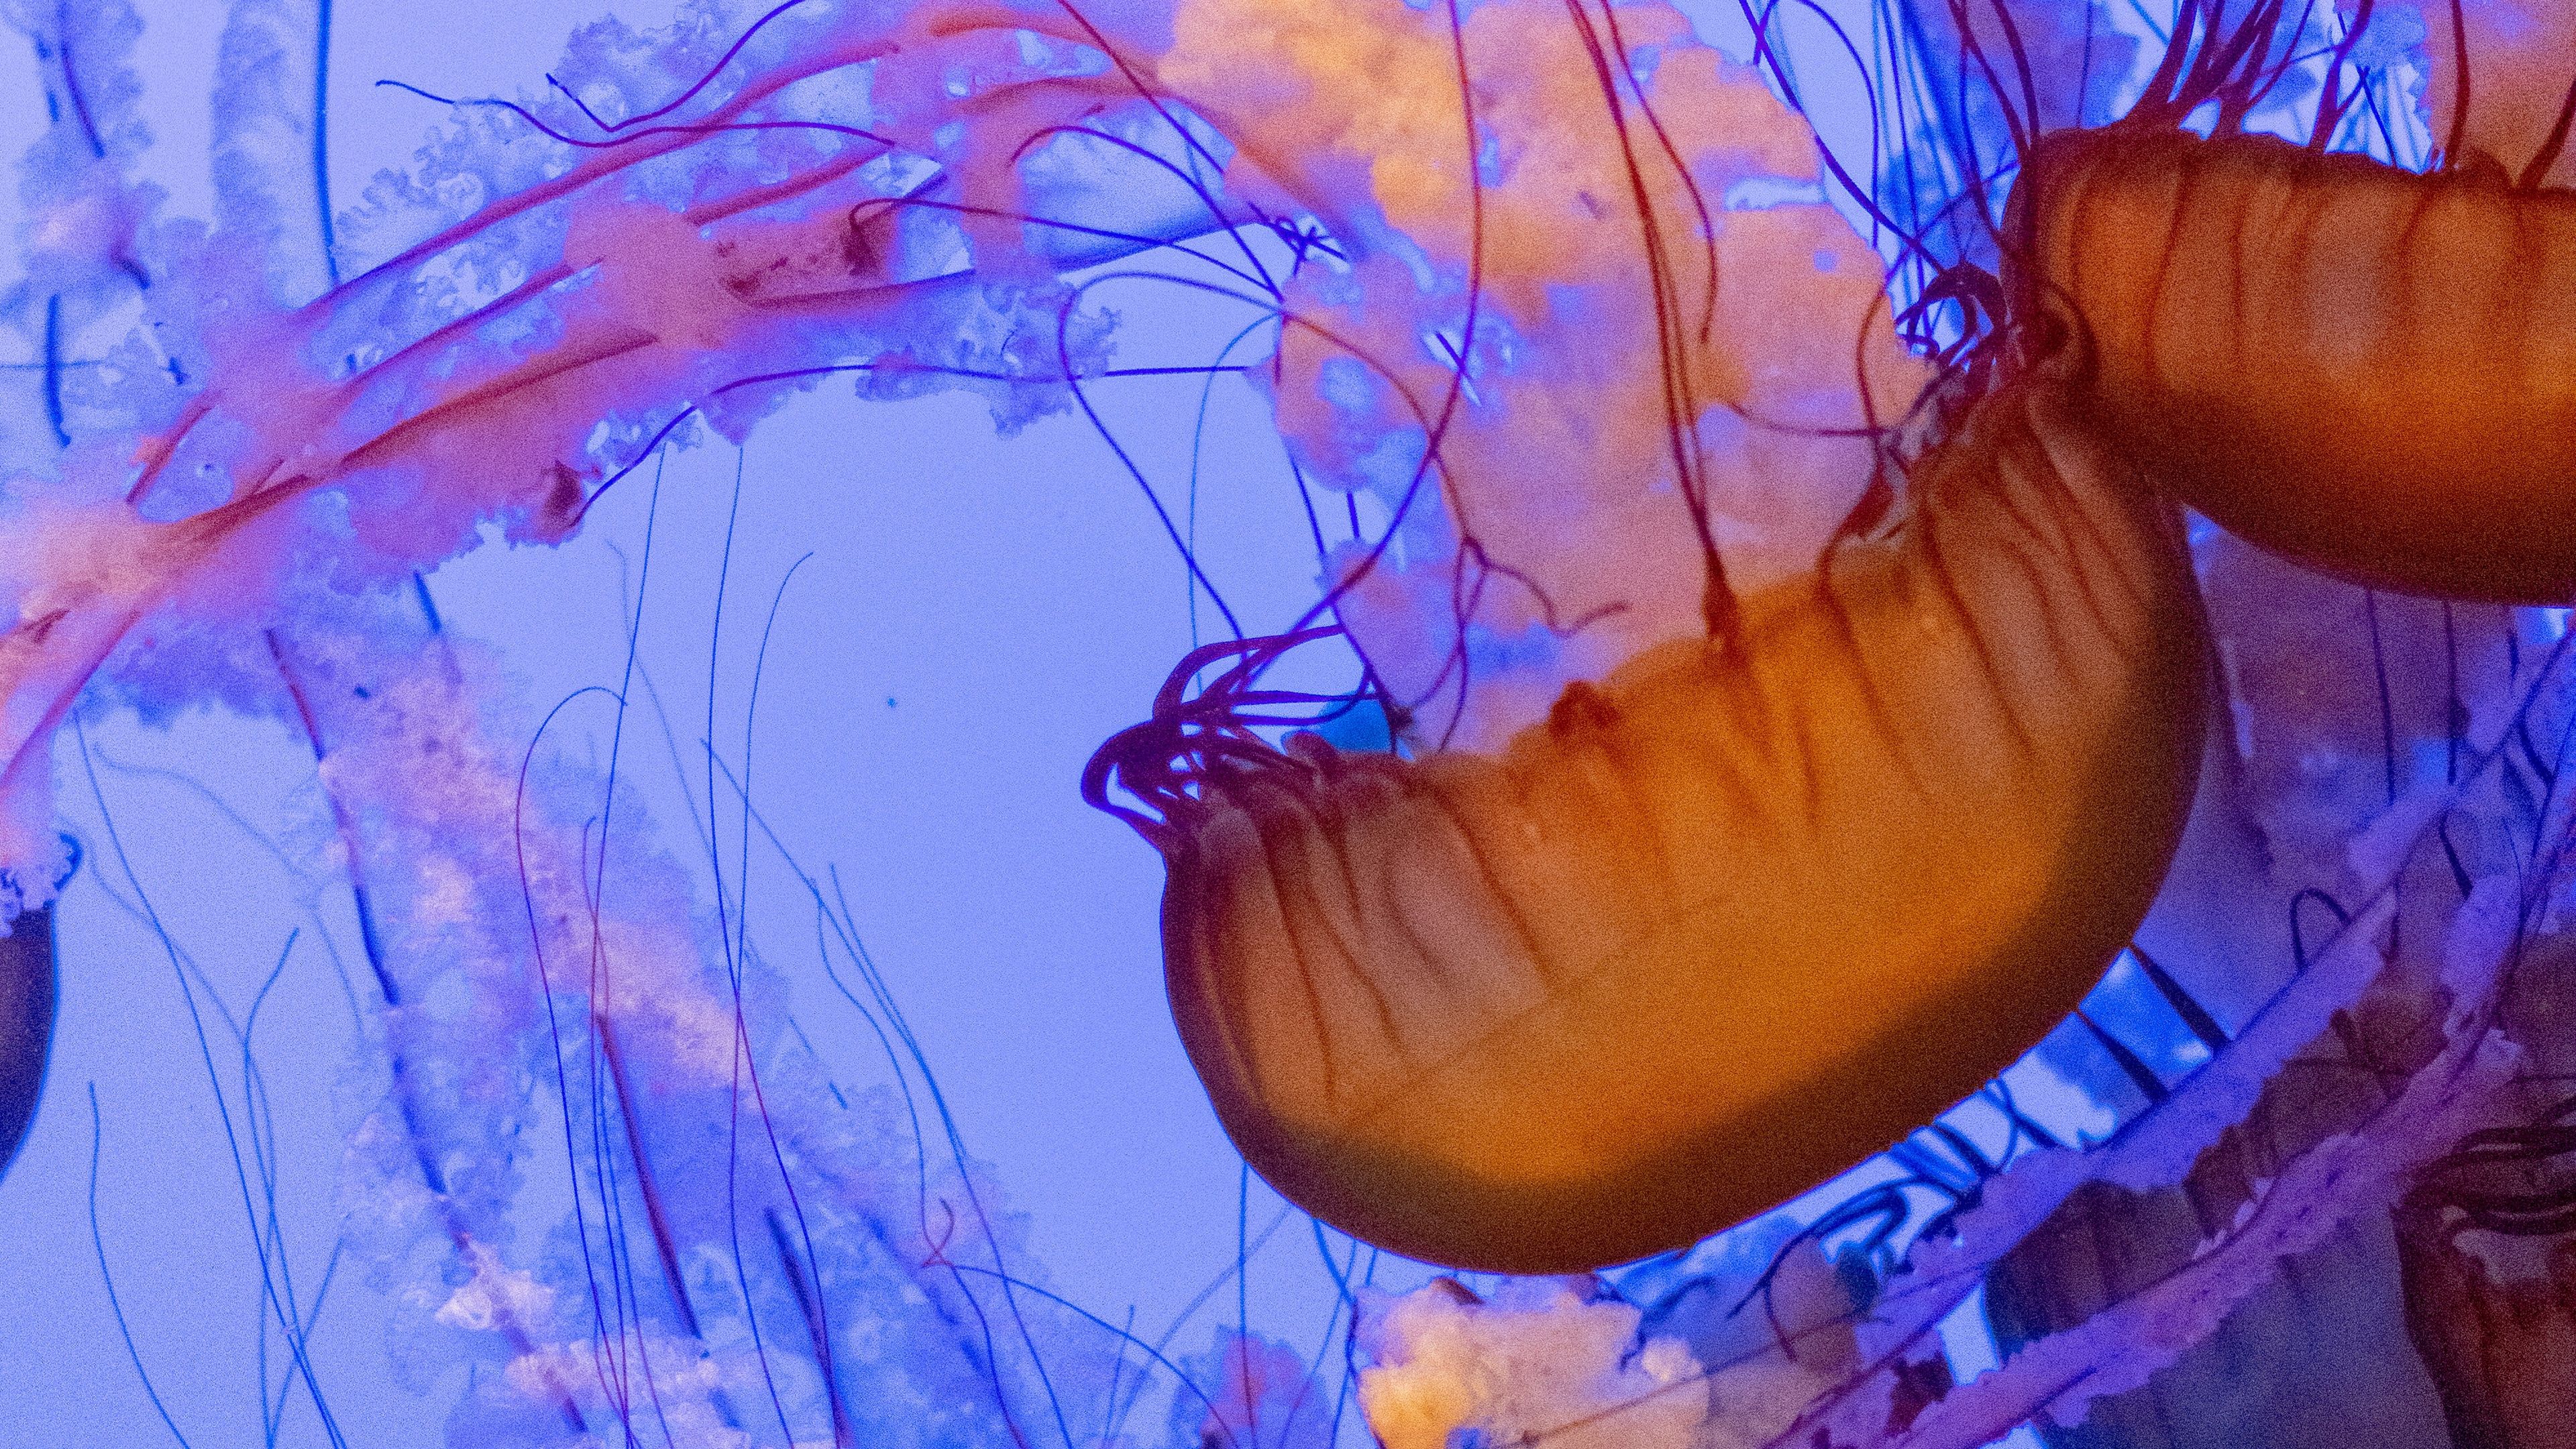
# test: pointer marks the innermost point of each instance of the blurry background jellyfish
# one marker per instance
(578, 986)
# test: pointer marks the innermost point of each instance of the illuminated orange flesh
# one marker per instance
(1726, 925)
(2367, 370)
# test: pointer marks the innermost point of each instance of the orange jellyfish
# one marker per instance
(1769, 787)
(2368, 370)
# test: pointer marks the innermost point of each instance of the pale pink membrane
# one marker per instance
(1551, 539)
(2521, 58)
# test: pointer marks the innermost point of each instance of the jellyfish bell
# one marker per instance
(27, 1004)
(1725, 924)
(1740, 832)
(2362, 368)
(30, 993)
